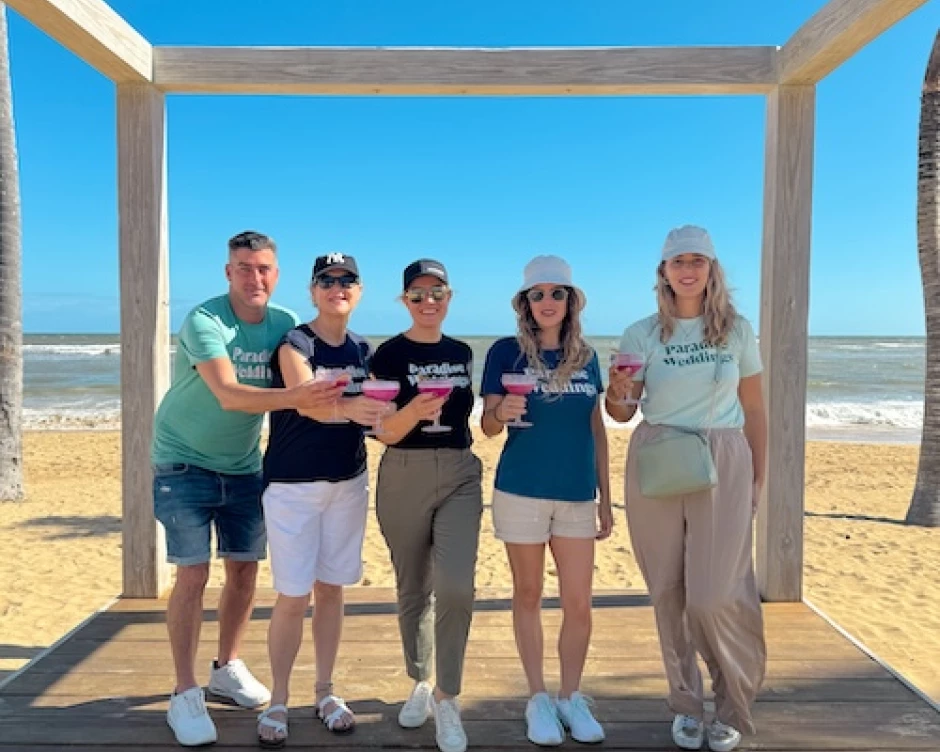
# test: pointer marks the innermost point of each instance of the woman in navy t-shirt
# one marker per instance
(552, 483)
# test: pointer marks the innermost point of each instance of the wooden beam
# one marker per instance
(788, 193)
(94, 32)
(145, 325)
(450, 71)
(835, 33)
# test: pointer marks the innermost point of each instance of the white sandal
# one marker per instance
(280, 727)
(341, 709)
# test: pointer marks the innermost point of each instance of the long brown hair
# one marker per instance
(575, 351)
(718, 311)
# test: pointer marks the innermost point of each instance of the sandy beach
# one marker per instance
(880, 580)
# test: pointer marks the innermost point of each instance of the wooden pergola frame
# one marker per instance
(786, 76)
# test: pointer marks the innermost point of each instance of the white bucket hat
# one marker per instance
(688, 239)
(550, 270)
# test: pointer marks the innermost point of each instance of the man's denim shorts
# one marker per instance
(189, 499)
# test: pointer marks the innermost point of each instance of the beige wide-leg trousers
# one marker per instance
(695, 554)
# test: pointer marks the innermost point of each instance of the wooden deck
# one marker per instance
(106, 685)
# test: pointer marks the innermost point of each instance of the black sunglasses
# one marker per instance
(536, 296)
(345, 281)
(437, 293)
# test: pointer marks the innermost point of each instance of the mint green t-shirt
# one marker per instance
(190, 425)
(679, 375)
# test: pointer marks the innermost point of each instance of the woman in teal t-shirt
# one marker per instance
(551, 473)
(695, 549)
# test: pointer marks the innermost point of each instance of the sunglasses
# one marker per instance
(537, 296)
(345, 281)
(437, 293)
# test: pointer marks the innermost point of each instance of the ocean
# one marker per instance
(859, 388)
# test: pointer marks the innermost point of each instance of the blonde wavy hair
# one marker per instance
(575, 351)
(718, 311)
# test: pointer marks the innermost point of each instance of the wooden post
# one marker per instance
(788, 188)
(145, 325)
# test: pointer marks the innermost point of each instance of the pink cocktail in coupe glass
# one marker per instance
(335, 377)
(379, 389)
(439, 387)
(521, 384)
(631, 363)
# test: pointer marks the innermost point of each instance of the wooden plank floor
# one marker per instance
(105, 687)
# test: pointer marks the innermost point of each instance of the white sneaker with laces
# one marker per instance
(450, 735)
(722, 737)
(234, 681)
(417, 707)
(575, 714)
(688, 732)
(189, 719)
(543, 726)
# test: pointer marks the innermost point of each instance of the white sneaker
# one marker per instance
(234, 681)
(417, 708)
(688, 732)
(450, 735)
(722, 737)
(541, 718)
(575, 714)
(189, 719)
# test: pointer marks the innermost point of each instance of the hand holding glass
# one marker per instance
(631, 363)
(335, 377)
(382, 390)
(521, 384)
(439, 387)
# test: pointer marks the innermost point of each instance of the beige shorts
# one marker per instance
(525, 519)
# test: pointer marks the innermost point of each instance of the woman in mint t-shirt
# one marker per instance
(548, 482)
(695, 550)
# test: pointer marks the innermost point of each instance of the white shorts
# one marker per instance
(525, 519)
(315, 532)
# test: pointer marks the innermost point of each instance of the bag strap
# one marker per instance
(719, 350)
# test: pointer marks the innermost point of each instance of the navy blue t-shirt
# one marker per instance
(554, 458)
(303, 450)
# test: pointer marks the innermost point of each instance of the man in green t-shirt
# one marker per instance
(207, 472)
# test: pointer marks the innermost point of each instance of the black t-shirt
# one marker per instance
(303, 450)
(406, 361)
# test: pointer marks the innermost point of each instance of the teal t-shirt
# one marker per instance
(554, 458)
(679, 375)
(190, 425)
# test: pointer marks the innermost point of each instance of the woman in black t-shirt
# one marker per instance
(316, 496)
(429, 500)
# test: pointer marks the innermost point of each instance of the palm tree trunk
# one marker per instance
(925, 504)
(11, 289)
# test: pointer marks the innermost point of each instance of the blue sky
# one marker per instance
(483, 184)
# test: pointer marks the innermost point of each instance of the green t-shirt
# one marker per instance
(190, 425)
(679, 375)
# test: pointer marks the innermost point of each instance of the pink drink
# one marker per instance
(629, 362)
(380, 390)
(520, 384)
(335, 377)
(439, 387)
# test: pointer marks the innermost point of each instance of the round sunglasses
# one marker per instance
(436, 293)
(537, 296)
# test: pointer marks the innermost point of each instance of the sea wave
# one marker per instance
(46, 351)
(887, 413)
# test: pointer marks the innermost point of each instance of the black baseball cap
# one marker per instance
(335, 261)
(422, 267)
